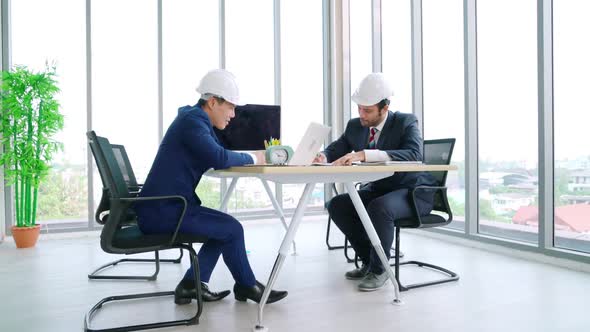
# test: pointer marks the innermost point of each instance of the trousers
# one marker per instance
(226, 238)
(383, 209)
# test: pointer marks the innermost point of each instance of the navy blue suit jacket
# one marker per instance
(188, 150)
(400, 138)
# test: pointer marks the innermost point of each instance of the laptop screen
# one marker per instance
(250, 127)
(310, 144)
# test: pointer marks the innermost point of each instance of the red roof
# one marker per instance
(526, 213)
(575, 217)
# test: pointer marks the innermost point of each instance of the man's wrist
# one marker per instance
(253, 156)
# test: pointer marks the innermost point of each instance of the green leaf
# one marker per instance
(30, 117)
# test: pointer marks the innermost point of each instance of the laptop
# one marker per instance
(311, 143)
(308, 147)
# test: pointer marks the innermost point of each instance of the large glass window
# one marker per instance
(444, 115)
(571, 119)
(302, 80)
(124, 79)
(190, 48)
(250, 56)
(507, 92)
(38, 37)
(250, 48)
(397, 52)
(190, 38)
(361, 46)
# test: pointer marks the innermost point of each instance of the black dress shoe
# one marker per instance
(254, 293)
(185, 292)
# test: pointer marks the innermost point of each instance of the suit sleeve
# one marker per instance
(338, 148)
(198, 140)
(410, 147)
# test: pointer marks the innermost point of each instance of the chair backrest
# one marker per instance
(115, 183)
(124, 165)
(108, 166)
(439, 152)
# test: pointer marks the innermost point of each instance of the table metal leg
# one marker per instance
(227, 194)
(364, 216)
(278, 209)
(287, 240)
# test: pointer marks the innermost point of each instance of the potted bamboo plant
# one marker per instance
(30, 118)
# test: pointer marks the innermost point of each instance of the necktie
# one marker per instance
(372, 138)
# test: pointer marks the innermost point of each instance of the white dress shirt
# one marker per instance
(374, 154)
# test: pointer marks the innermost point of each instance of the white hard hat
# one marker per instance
(372, 90)
(220, 83)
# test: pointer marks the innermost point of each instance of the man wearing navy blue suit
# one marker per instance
(377, 135)
(188, 150)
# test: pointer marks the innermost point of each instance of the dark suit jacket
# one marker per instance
(400, 138)
(188, 150)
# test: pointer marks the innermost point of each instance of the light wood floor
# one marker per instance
(47, 289)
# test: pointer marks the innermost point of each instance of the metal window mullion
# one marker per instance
(339, 66)
(277, 75)
(223, 182)
(327, 62)
(337, 51)
(376, 36)
(342, 64)
(89, 159)
(417, 75)
(6, 38)
(327, 77)
(545, 95)
(6, 193)
(343, 72)
(160, 74)
(277, 50)
(222, 34)
(471, 122)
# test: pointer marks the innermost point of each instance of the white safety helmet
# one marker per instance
(220, 83)
(372, 89)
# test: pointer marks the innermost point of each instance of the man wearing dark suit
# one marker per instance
(377, 135)
(188, 150)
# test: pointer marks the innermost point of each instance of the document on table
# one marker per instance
(389, 162)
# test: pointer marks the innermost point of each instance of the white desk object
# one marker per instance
(310, 175)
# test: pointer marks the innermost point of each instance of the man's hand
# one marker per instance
(347, 159)
(320, 158)
(260, 157)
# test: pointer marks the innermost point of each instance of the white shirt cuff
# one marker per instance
(376, 155)
(253, 157)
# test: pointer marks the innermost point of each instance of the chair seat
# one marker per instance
(130, 219)
(430, 220)
(131, 237)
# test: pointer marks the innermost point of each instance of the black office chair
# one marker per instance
(118, 237)
(102, 214)
(346, 245)
(436, 152)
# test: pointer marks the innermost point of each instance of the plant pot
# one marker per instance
(25, 237)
